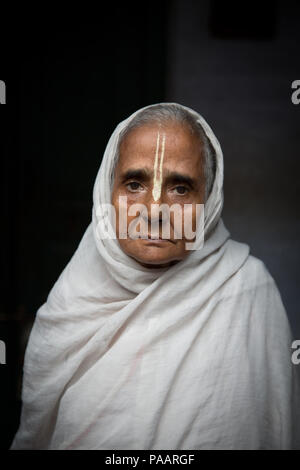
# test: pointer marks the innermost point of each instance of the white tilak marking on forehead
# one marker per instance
(157, 182)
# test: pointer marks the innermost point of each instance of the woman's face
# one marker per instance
(158, 165)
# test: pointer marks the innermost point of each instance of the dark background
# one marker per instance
(70, 79)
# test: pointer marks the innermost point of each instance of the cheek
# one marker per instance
(188, 219)
(114, 199)
(185, 214)
(123, 219)
(131, 198)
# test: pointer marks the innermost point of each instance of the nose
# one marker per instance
(152, 204)
(157, 217)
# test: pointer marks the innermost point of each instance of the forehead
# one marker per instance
(182, 147)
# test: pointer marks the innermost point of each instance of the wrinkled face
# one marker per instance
(158, 165)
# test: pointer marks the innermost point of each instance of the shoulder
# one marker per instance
(254, 283)
(254, 274)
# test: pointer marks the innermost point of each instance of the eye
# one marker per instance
(133, 186)
(181, 190)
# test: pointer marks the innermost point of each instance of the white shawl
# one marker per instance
(195, 356)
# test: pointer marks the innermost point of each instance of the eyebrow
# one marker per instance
(173, 177)
(141, 174)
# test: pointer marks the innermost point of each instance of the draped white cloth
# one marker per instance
(195, 356)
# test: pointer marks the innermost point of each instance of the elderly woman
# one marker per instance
(145, 343)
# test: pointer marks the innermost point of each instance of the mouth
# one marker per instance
(157, 240)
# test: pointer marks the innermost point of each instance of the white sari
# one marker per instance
(195, 356)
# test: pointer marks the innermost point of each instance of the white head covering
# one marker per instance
(111, 359)
(124, 269)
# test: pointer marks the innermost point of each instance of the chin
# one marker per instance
(158, 264)
(152, 262)
(152, 256)
(151, 259)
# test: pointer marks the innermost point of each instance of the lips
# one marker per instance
(160, 238)
(157, 240)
